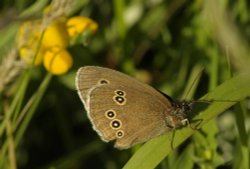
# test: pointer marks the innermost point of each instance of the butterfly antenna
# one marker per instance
(214, 100)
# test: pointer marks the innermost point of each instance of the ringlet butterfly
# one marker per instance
(126, 110)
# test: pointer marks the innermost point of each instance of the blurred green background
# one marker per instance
(163, 43)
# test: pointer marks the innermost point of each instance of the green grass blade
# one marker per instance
(119, 15)
(16, 101)
(185, 160)
(37, 98)
(34, 8)
(240, 114)
(192, 82)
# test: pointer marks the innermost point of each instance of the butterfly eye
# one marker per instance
(186, 106)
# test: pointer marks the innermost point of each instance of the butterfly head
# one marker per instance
(179, 114)
(182, 107)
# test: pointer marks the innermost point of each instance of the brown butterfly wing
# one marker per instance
(126, 115)
(89, 77)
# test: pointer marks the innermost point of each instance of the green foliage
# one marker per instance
(194, 50)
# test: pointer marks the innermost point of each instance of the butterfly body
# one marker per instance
(124, 109)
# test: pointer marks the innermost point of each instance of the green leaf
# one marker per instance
(185, 160)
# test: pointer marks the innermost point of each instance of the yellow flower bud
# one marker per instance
(57, 60)
(56, 35)
(79, 24)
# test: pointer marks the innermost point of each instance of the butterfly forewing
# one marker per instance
(91, 76)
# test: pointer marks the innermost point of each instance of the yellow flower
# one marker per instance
(78, 24)
(28, 37)
(56, 35)
(57, 60)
